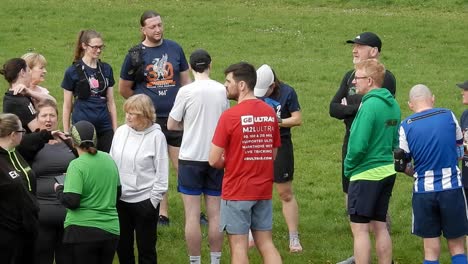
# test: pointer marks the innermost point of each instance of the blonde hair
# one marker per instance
(141, 104)
(46, 103)
(8, 124)
(374, 69)
(33, 59)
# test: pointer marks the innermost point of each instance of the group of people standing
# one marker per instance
(427, 145)
(80, 195)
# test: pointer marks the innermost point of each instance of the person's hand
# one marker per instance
(59, 135)
(20, 89)
(56, 185)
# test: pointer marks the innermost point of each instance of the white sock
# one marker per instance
(215, 257)
(195, 259)
(293, 235)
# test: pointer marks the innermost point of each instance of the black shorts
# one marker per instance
(173, 138)
(197, 177)
(284, 162)
(369, 200)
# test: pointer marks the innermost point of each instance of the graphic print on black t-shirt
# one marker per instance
(160, 74)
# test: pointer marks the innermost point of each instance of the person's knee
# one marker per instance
(456, 246)
(286, 194)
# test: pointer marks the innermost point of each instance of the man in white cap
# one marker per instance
(283, 99)
(346, 102)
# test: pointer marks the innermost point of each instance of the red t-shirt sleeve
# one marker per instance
(220, 134)
(276, 137)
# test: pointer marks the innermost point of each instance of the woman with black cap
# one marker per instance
(89, 193)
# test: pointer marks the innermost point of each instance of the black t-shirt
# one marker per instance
(50, 161)
(464, 128)
(20, 105)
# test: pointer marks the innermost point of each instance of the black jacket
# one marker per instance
(347, 90)
(18, 205)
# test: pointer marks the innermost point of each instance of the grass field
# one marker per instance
(304, 41)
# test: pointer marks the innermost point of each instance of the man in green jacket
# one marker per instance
(369, 162)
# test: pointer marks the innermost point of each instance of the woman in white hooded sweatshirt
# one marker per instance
(140, 151)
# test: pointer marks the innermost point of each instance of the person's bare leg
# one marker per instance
(174, 157)
(193, 235)
(383, 242)
(290, 213)
(431, 248)
(456, 245)
(362, 243)
(239, 247)
(215, 238)
(264, 243)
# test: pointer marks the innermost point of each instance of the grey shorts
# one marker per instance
(237, 217)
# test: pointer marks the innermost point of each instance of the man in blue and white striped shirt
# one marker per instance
(432, 138)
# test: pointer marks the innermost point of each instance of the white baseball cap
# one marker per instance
(265, 78)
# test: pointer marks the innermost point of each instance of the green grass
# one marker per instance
(423, 42)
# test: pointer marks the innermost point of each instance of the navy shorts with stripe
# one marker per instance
(444, 212)
(197, 177)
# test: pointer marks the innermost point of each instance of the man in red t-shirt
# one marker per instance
(245, 144)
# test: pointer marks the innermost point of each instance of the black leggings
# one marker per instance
(49, 241)
(140, 220)
(98, 252)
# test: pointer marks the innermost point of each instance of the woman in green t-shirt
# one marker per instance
(89, 193)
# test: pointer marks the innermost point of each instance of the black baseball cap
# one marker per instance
(83, 131)
(464, 85)
(368, 39)
(199, 60)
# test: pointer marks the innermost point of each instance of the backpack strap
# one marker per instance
(137, 62)
(82, 89)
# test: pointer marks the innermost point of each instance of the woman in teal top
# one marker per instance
(90, 192)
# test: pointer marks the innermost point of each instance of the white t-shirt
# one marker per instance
(199, 105)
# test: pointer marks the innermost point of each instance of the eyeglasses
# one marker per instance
(363, 77)
(22, 131)
(95, 48)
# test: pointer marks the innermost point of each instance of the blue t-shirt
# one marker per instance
(163, 65)
(94, 109)
(284, 104)
(464, 128)
(430, 137)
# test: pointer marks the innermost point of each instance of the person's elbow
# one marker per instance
(212, 161)
(216, 162)
(172, 124)
(125, 88)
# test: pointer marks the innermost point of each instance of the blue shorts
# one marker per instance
(437, 212)
(237, 217)
(197, 177)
